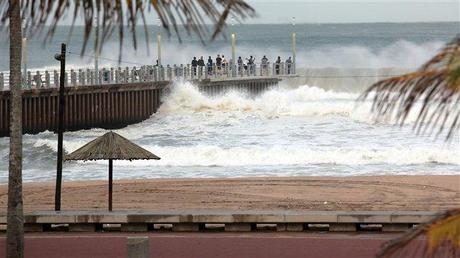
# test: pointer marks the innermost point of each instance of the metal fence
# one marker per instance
(148, 73)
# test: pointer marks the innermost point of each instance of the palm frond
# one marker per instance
(439, 237)
(436, 86)
(192, 14)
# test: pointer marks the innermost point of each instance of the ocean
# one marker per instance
(311, 125)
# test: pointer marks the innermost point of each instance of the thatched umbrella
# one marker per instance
(111, 146)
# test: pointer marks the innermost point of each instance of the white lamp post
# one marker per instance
(25, 58)
(233, 49)
(293, 46)
(96, 54)
(159, 42)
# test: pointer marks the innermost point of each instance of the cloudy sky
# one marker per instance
(344, 11)
(339, 11)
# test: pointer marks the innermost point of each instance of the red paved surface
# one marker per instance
(203, 245)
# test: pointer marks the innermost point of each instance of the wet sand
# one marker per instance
(414, 193)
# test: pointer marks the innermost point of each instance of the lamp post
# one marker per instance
(159, 42)
(294, 50)
(96, 54)
(24, 53)
(60, 114)
(233, 64)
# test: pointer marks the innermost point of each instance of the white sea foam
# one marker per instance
(210, 155)
(304, 101)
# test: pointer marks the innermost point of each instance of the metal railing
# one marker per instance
(148, 73)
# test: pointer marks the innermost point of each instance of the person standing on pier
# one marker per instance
(277, 65)
(224, 64)
(289, 65)
(209, 65)
(218, 63)
(201, 64)
(251, 64)
(194, 65)
(240, 64)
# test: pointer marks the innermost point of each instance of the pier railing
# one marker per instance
(147, 73)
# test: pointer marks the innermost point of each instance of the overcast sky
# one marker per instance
(344, 11)
(339, 11)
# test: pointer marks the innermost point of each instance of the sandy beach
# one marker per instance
(415, 193)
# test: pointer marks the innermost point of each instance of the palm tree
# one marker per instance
(15, 218)
(192, 14)
(438, 238)
(436, 86)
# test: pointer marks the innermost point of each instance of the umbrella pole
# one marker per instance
(110, 183)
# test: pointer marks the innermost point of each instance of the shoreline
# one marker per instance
(373, 193)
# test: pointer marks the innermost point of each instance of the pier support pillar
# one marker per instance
(400, 227)
(134, 227)
(342, 227)
(186, 227)
(238, 227)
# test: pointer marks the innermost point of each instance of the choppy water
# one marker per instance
(309, 126)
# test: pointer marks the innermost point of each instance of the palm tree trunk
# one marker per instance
(15, 218)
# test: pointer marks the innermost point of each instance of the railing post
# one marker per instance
(187, 71)
(104, 78)
(126, 75)
(88, 77)
(80, 77)
(175, 71)
(29, 79)
(133, 74)
(169, 72)
(181, 70)
(56, 78)
(162, 73)
(38, 80)
(66, 79)
(73, 78)
(47, 79)
(111, 77)
(2, 81)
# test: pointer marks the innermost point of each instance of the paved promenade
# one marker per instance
(207, 245)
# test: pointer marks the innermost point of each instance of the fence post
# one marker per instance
(138, 247)
(73, 78)
(126, 75)
(66, 79)
(2, 82)
(29, 79)
(133, 74)
(80, 77)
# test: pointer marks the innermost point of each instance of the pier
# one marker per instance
(114, 98)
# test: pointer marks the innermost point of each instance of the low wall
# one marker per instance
(110, 106)
(335, 221)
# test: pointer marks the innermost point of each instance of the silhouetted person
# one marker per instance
(240, 64)
(194, 65)
(289, 65)
(209, 65)
(218, 62)
(277, 65)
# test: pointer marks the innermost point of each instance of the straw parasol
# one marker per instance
(111, 146)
